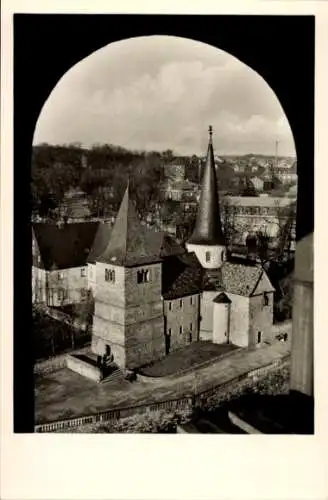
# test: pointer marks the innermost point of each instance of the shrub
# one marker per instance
(273, 383)
(148, 422)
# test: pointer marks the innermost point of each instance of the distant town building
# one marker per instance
(264, 214)
(285, 175)
(84, 161)
(182, 190)
(175, 171)
(75, 205)
(239, 168)
(258, 183)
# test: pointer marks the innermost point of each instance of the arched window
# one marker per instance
(143, 276)
(110, 275)
(207, 256)
(265, 299)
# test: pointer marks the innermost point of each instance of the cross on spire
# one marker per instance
(210, 130)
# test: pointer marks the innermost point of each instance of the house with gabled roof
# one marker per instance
(59, 262)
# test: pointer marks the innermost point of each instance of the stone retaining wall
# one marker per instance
(84, 368)
(187, 402)
(57, 363)
(115, 414)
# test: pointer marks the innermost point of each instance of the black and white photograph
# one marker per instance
(170, 264)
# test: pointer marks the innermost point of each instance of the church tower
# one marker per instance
(207, 239)
(128, 319)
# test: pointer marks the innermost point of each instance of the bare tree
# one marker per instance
(228, 213)
(262, 246)
(284, 217)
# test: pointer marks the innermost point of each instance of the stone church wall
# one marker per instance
(92, 270)
(129, 315)
(143, 293)
(109, 331)
(182, 320)
(145, 342)
(206, 314)
(110, 292)
(260, 318)
(98, 346)
(239, 320)
(109, 312)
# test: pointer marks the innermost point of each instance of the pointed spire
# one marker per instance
(128, 243)
(208, 229)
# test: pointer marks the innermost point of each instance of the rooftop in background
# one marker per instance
(259, 201)
(240, 277)
(75, 244)
(130, 243)
(182, 275)
(66, 245)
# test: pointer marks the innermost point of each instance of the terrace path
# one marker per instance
(64, 394)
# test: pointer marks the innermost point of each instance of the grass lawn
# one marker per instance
(188, 357)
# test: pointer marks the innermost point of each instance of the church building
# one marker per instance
(147, 292)
(237, 297)
(153, 295)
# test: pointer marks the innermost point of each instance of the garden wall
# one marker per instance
(202, 399)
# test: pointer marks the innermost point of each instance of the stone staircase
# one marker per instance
(115, 376)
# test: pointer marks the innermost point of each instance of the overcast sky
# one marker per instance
(160, 92)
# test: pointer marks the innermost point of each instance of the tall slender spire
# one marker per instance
(208, 230)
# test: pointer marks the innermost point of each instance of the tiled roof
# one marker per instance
(162, 244)
(129, 243)
(181, 276)
(212, 280)
(75, 244)
(222, 299)
(100, 242)
(240, 279)
(66, 246)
